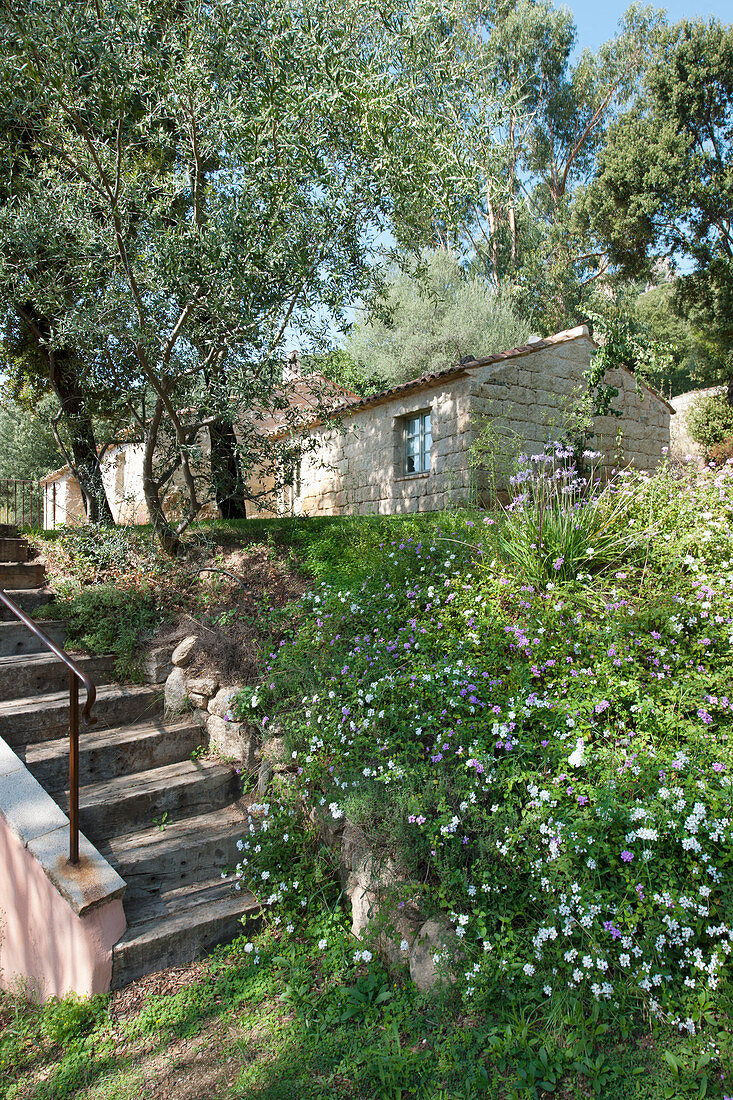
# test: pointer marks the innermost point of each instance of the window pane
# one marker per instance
(412, 445)
(417, 441)
(426, 442)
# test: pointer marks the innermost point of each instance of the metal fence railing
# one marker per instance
(21, 502)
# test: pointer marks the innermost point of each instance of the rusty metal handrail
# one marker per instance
(75, 675)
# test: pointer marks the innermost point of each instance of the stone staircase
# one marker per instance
(166, 818)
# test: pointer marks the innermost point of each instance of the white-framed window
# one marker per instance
(417, 440)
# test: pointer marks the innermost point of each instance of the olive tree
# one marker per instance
(199, 180)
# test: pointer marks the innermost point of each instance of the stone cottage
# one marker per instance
(408, 449)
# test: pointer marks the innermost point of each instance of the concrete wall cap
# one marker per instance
(9, 762)
(26, 808)
(85, 886)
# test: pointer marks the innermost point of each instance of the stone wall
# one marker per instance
(357, 467)
(122, 477)
(683, 447)
(529, 399)
(62, 502)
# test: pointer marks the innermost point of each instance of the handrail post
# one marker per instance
(73, 768)
(76, 676)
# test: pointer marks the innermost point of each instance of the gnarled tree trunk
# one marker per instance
(63, 376)
(226, 471)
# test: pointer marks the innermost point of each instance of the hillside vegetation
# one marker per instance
(528, 715)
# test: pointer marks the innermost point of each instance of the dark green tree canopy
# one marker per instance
(664, 185)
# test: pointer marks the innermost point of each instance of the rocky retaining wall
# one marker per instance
(385, 904)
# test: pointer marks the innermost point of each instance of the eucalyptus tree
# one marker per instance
(202, 178)
(532, 119)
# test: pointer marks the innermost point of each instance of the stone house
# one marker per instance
(408, 449)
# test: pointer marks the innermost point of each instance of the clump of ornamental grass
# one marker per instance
(562, 523)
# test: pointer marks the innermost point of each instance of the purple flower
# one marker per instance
(640, 891)
(627, 856)
(603, 705)
(718, 767)
(707, 718)
(582, 799)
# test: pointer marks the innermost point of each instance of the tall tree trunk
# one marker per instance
(226, 471)
(86, 466)
(64, 379)
(169, 539)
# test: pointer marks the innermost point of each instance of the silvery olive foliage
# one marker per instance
(186, 184)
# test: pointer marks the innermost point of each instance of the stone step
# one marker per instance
(36, 673)
(108, 753)
(14, 549)
(28, 600)
(26, 575)
(178, 790)
(179, 928)
(16, 638)
(155, 860)
(45, 717)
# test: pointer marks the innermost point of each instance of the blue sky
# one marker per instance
(597, 20)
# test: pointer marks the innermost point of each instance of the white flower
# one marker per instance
(528, 969)
(322, 945)
(577, 758)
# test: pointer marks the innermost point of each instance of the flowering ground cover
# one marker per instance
(543, 745)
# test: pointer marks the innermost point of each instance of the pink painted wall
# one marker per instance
(46, 949)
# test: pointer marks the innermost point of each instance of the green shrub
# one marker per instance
(710, 420)
(109, 620)
(559, 526)
(548, 765)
